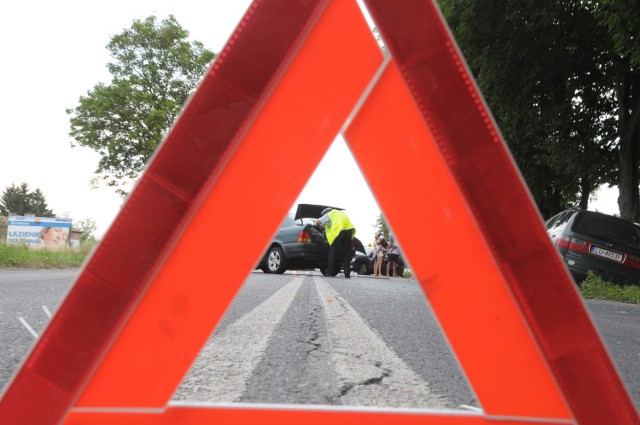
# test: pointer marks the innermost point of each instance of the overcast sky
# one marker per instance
(54, 52)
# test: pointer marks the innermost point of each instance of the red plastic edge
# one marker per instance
(119, 271)
(468, 139)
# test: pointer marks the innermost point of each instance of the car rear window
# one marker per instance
(288, 221)
(558, 222)
(610, 229)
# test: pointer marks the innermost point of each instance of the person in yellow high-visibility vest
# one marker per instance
(340, 233)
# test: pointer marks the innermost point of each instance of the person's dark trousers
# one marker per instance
(342, 244)
(348, 252)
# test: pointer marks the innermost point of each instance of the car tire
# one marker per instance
(362, 269)
(276, 261)
(324, 271)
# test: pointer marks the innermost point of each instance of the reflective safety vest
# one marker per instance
(339, 222)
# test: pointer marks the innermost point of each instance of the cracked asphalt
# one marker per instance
(322, 351)
(306, 344)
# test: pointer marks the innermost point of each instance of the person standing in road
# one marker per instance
(379, 256)
(340, 233)
(393, 254)
(374, 253)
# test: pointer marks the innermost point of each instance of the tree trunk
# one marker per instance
(628, 95)
(628, 184)
(585, 192)
(552, 202)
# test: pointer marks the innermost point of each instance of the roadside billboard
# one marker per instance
(39, 232)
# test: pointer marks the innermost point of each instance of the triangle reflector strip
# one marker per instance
(291, 77)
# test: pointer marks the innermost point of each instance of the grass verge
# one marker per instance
(596, 288)
(20, 256)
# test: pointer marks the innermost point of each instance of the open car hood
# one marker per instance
(311, 210)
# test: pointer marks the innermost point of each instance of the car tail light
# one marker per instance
(574, 244)
(304, 236)
(563, 241)
(632, 261)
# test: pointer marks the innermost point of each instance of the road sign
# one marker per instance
(291, 77)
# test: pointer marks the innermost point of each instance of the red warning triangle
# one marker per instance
(292, 76)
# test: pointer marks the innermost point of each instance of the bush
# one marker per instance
(87, 247)
(594, 287)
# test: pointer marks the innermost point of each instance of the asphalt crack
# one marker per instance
(368, 372)
(314, 331)
(377, 380)
(296, 367)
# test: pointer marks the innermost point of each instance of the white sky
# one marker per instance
(54, 52)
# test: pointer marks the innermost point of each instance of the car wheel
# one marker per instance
(324, 271)
(362, 269)
(276, 263)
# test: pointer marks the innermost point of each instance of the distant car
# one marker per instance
(591, 241)
(299, 244)
(361, 262)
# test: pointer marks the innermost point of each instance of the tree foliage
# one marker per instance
(21, 200)
(547, 73)
(154, 69)
(621, 22)
(381, 227)
(88, 227)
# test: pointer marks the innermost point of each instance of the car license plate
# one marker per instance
(615, 256)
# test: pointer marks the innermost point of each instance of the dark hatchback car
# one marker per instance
(590, 241)
(299, 244)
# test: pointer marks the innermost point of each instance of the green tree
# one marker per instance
(154, 70)
(540, 67)
(620, 20)
(381, 227)
(88, 227)
(22, 200)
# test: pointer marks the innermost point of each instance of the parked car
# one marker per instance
(361, 262)
(591, 241)
(299, 244)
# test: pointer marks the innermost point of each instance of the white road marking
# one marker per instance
(368, 371)
(29, 328)
(226, 364)
(472, 408)
(46, 311)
